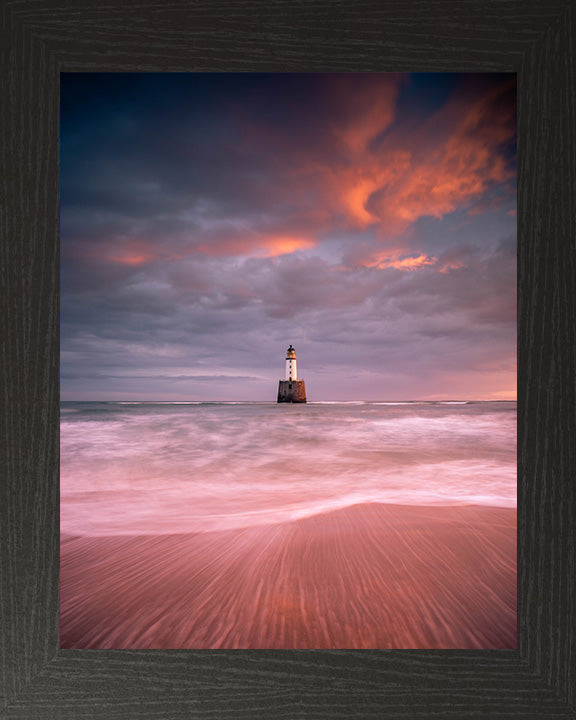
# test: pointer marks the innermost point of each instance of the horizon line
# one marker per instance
(197, 400)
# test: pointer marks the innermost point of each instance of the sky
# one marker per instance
(209, 220)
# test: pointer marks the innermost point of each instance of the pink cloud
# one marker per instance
(366, 108)
(452, 265)
(131, 252)
(256, 245)
(136, 253)
(392, 187)
(406, 264)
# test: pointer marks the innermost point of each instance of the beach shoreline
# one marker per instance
(367, 576)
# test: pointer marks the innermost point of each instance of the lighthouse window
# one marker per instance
(289, 386)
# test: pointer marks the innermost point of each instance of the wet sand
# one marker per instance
(368, 576)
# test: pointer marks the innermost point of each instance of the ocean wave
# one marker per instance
(337, 402)
(173, 469)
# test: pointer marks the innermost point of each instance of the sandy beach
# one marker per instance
(367, 576)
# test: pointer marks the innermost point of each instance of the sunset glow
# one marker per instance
(370, 217)
(407, 263)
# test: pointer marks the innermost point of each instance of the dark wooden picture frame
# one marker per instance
(41, 38)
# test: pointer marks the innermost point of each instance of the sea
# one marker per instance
(179, 467)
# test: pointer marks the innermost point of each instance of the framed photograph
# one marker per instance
(366, 500)
(353, 184)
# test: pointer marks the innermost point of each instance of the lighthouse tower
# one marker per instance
(291, 364)
(291, 390)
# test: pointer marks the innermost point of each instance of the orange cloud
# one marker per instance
(132, 252)
(393, 188)
(356, 197)
(136, 253)
(452, 265)
(256, 245)
(407, 264)
(359, 184)
(131, 259)
(286, 245)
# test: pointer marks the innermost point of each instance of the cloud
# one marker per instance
(263, 246)
(406, 264)
(436, 173)
(209, 222)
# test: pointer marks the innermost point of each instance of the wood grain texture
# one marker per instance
(39, 39)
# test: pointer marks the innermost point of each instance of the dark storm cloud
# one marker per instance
(208, 221)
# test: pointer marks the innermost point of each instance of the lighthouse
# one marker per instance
(291, 389)
(291, 364)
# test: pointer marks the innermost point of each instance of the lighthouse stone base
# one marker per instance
(291, 391)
